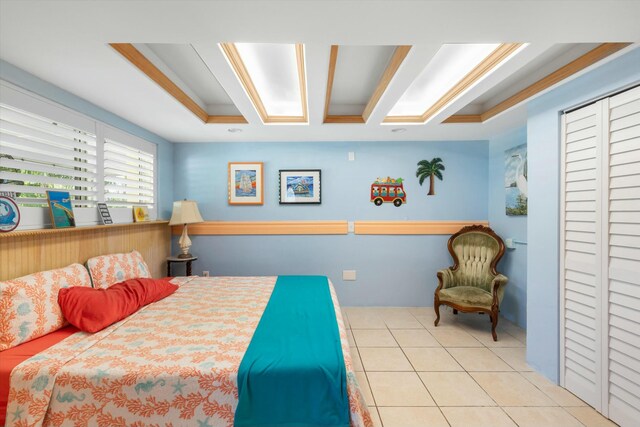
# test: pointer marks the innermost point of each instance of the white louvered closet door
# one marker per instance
(580, 270)
(600, 265)
(624, 258)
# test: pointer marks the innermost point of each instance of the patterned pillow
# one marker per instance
(107, 270)
(29, 305)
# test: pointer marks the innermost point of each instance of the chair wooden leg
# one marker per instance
(455, 311)
(494, 323)
(436, 307)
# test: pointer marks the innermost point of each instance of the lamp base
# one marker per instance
(187, 255)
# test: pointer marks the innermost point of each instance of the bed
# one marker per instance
(174, 362)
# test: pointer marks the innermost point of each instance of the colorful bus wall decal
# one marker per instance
(388, 190)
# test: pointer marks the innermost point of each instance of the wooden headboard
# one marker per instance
(30, 251)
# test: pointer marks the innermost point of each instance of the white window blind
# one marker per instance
(128, 175)
(39, 154)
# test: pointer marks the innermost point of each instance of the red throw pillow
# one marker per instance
(92, 310)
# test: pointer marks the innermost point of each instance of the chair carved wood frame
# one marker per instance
(498, 280)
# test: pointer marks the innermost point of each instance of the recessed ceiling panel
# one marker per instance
(358, 77)
(552, 59)
(273, 75)
(185, 62)
(143, 58)
(447, 68)
(357, 73)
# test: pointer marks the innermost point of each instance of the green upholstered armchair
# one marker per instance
(472, 284)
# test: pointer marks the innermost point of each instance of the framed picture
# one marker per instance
(9, 214)
(103, 213)
(140, 214)
(61, 209)
(246, 183)
(300, 186)
(515, 180)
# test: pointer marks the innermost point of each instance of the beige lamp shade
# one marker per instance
(185, 212)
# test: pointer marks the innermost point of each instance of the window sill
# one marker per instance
(47, 231)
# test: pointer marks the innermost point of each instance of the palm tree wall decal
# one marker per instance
(430, 169)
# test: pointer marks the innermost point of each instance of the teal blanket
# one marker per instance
(293, 372)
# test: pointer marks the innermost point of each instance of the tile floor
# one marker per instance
(413, 374)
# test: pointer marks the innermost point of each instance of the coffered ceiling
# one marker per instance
(206, 71)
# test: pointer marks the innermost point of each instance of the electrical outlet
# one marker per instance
(348, 275)
(351, 228)
(352, 156)
(205, 273)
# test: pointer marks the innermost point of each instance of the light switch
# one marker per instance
(352, 156)
(348, 275)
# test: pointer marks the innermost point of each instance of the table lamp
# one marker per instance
(185, 212)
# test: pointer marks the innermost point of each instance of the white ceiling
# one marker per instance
(66, 43)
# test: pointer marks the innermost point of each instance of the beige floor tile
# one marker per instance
(431, 359)
(477, 417)
(504, 339)
(421, 311)
(515, 331)
(352, 342)
(374, 338)
(455, 389)
(384, 359)
(454, 337)
(364, 321)
(371, 311)
(519, 335)
(558, 394)
(511, 389)
(355, 359)
(478, 359)
(547, 417)
(399, 389)
(375, 417)
(364, 388)
(414, 338)
(345, 319)
(394, 311)
(402, 322)
(590, 417)
(412, 417)
(516, 357)
(426, 320)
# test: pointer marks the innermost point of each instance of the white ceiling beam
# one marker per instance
(521, 58)
(418, 58)
(217, 63)
(317, 68)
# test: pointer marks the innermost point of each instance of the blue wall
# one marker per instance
(21, 78)
(392, 270)
(514, 262)
(543, 136)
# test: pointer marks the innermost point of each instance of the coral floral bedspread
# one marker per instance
(173, 363)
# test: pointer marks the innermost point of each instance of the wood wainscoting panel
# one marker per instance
(221, 228)
(30, 251)
(412, 227)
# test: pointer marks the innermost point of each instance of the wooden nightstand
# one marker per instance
(188, 261)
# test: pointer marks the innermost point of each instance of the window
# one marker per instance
(38, 154)
(128, 175)
(44, 146)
